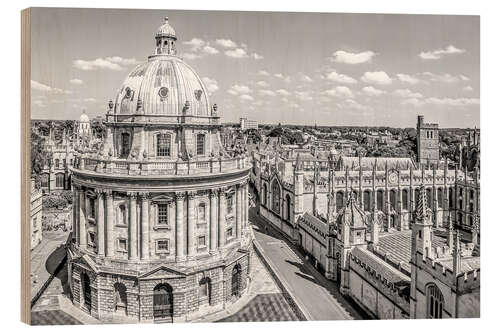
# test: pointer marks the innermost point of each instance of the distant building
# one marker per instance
(246, 123)
(36, 215)
(427, 142)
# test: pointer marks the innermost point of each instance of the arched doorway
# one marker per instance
(236, 280)
(120, 298)
(87, 293)
(163, 302)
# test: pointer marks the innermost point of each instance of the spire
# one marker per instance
(450, 232)
(457, 255)
(421, 214)
(165, 39)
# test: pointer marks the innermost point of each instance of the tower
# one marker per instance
(427, 142)
(422, 227)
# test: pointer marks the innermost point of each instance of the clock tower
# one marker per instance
(427, 142)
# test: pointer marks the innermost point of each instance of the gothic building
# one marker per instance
(160, 209)
(427, 142)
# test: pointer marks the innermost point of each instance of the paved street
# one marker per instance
(45, 257)
(318, 297)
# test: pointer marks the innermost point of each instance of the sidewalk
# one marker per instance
(318, 297)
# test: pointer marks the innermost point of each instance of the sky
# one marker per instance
(275, 67)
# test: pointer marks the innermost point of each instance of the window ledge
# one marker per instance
(161, 227)
(121, 225)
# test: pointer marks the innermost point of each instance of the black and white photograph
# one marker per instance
(203, 166)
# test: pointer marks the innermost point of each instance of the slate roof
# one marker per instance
(384, 269)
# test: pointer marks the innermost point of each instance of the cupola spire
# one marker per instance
(165, 39)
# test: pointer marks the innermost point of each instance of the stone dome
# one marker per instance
(84, 118)
(163, 85)
(166, 30)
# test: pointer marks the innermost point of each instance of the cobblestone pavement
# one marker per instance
(264, 307)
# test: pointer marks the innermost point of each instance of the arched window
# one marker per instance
(201, 212)
(204, 291)
(163, 143)
(276, 195)
(122, 218)
(428, 194)
(471, 207)
(45, 180)
(235, 280)
(367, 201)
(60, 180)
(200, 144)
(405, 199)
(392, 199)
(440, 197)
(451, 200)
(56, 162)
(120, 297)
(355, 195)
(125, 145)
(435, 302)
(417, 195)
(339, 200)
(380, 200)
(288, 208)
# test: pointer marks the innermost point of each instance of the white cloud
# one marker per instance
(341, 78)
(353, 58)
(372, 91)
(263, 72)
(340, 91)
(210, 84)
(246, 97)
(406, 93)
(437, 54)
(262, 84)
(195, 44)
(411, 101)
(239, 89)
(266, 92)
(47, 89)
(114, 63)
(236, 53)
(283, 92)
(408, 78)
(380, 77)
(294, 105)
(352, 104)
(304, 95)
(191, 56)
(306, 78)
(226, 43)
(76, 81)
(279, 76)
(257, 56)
(468, 88)
(444, 78)
(210, 50)
(442, 102)
(463, 77)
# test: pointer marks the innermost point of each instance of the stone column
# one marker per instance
(191, 222)
(238, 211)
(83, 220)
(132, 253)
(100, 224)
(144, 225)
(179, 227)
(222, 218)
(110, 221)
(213, 221)
(76, 214)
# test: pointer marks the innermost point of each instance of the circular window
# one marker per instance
(128, 92)
(163, 92)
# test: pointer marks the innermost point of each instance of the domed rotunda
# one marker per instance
(160, 210)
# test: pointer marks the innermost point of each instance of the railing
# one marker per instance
(147, 168)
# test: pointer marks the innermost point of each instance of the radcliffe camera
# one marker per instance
(212, 166)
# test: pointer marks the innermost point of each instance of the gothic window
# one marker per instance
(45, 180)
(435, 302)
(339, 201)
(200, 144)
(367, 201)
(276, 194)
(162, 246)
(392, 199)
(380, 200)
(264, 196)
(163, 214)
(417, 195)
(125, 148)
(440, 198)
(288, 208)
(56, 162)
(428, 194)
(405, 199)
(59, 180)
(450, 198)
(163, 143)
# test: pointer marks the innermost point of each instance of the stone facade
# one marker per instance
(427, 142)
(160, 208)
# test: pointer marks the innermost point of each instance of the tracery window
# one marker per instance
(405, 199)
(435, 302)
(276, 194)
(367, 201)
(59, 180)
